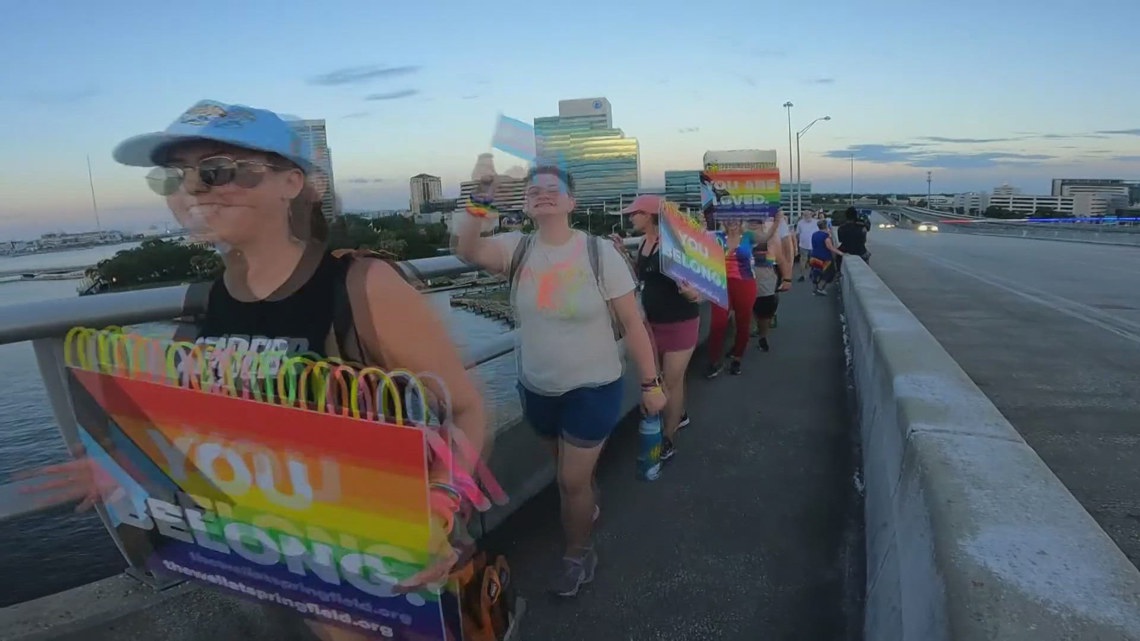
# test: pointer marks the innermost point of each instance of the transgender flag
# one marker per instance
(515, 137)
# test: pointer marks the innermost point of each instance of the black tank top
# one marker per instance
(268, 331)
(662, 301)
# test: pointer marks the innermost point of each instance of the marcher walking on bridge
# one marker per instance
(737, 243)
(568, 289)
(673, 312)
(824, 256)
(240, 178)
(805, 229)
(767, 281)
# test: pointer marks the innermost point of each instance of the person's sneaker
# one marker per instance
(803, 278)
(574, 573)
(714, 370)
(818, 292)
(667, 449)
(684, 421)
(734, 368)
(763, 344)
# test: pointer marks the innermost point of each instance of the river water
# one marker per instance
(58, 549)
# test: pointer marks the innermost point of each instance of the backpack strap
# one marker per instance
(593, 251)
(518, 258)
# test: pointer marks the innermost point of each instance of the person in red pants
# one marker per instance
(737, 244)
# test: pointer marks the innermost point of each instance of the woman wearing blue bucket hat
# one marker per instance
(243, 179)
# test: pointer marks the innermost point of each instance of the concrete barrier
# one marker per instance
(970, 536)
(1124, 236)
(122, 609)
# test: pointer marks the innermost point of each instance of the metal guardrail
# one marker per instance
(45, 324)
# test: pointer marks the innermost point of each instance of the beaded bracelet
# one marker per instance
(480, 210)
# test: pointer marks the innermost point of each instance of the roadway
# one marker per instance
(1050, 331)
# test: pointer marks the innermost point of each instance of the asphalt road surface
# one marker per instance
(1050, 331)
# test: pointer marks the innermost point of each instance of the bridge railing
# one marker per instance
(46, 323)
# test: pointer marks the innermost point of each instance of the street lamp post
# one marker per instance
(852, 200)
(788, 105)
(928, 190)
(799, 175)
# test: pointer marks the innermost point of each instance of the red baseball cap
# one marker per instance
(645, 204)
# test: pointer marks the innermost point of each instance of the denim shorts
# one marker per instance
(583, 417)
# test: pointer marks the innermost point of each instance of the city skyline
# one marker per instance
(975, 101)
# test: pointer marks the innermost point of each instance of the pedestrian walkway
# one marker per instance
(754, 531)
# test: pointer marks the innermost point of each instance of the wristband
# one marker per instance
(480, 210)
(448, 490)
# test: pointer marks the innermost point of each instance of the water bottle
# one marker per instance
(649, 448)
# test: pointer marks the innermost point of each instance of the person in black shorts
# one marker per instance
(767, 293)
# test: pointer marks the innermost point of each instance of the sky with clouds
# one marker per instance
(978, 92)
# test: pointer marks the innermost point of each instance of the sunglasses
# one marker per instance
(215, 171)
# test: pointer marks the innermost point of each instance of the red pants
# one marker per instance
(741, 295)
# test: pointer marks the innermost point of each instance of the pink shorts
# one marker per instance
(676, 337)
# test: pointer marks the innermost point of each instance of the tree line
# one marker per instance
(158, 262)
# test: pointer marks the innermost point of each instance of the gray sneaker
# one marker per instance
(574, 573)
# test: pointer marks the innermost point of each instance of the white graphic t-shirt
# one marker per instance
(565, 334)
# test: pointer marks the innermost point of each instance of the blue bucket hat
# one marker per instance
(237, 125)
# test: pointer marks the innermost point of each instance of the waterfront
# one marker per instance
(58, 549)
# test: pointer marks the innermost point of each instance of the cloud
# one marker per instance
(392, 95)
(356, 114)
(965, 141)
(918, 155)
(357, 75)
(364, 181)
(821, 81)
(61, 96)
(1121, 132)
(1126, 158)
(688, 130)
(472, 96)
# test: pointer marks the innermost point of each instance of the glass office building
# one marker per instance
(683, 187)
(604, 162)
(788, 194)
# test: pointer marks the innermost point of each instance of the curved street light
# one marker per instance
(791, 159)
(798, 209)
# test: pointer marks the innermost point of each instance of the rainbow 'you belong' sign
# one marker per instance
(691, 255)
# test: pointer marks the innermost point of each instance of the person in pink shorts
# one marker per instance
(673, 312)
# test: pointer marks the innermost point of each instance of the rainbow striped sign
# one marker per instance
(320, 513)
(690, 254)
(745, 194)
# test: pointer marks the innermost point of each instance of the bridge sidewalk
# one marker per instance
(752, 532)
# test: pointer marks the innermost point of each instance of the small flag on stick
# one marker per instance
(515, 137)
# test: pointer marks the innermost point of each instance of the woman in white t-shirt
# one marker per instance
(566, 296)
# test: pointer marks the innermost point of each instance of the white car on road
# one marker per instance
(927, 227)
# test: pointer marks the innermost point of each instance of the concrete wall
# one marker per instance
(1106, 235)
(122, 609)
(1128, 235)
(969, 535)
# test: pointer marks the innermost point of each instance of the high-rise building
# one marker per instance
(683, 187)
(788, 194)
(425, 188)
(313, 132)
(1122, 192)
(581, 139)
(509, 194)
